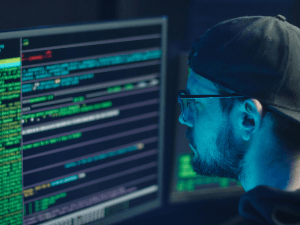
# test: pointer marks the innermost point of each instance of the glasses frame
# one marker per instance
(187, 96)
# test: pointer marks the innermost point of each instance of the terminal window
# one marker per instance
(79, 124)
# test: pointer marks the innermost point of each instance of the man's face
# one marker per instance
(210, 133)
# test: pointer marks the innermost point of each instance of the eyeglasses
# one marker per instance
(185, 100)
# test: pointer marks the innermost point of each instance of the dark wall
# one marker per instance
(21, 14)
(205, 14)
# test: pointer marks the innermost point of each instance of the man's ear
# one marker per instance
(250, 118)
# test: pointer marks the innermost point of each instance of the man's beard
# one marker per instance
(228, 161)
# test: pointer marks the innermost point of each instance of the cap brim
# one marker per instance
(293, 115)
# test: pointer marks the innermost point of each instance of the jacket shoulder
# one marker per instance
(239, 220)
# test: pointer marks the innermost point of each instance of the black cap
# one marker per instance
(254, 56)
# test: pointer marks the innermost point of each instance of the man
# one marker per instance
(256, 61)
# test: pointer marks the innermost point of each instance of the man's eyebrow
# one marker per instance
(188, 91)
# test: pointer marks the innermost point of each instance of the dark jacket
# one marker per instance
(264, 205)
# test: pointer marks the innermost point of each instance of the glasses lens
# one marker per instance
(183, 105)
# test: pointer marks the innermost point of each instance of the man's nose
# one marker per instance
(187, 123)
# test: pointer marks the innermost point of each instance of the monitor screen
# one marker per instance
(82, 122)
(186, 185)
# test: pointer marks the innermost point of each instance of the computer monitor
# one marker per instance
(186, 185)
(82, 111)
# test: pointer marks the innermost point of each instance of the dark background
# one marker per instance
(187, 19)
